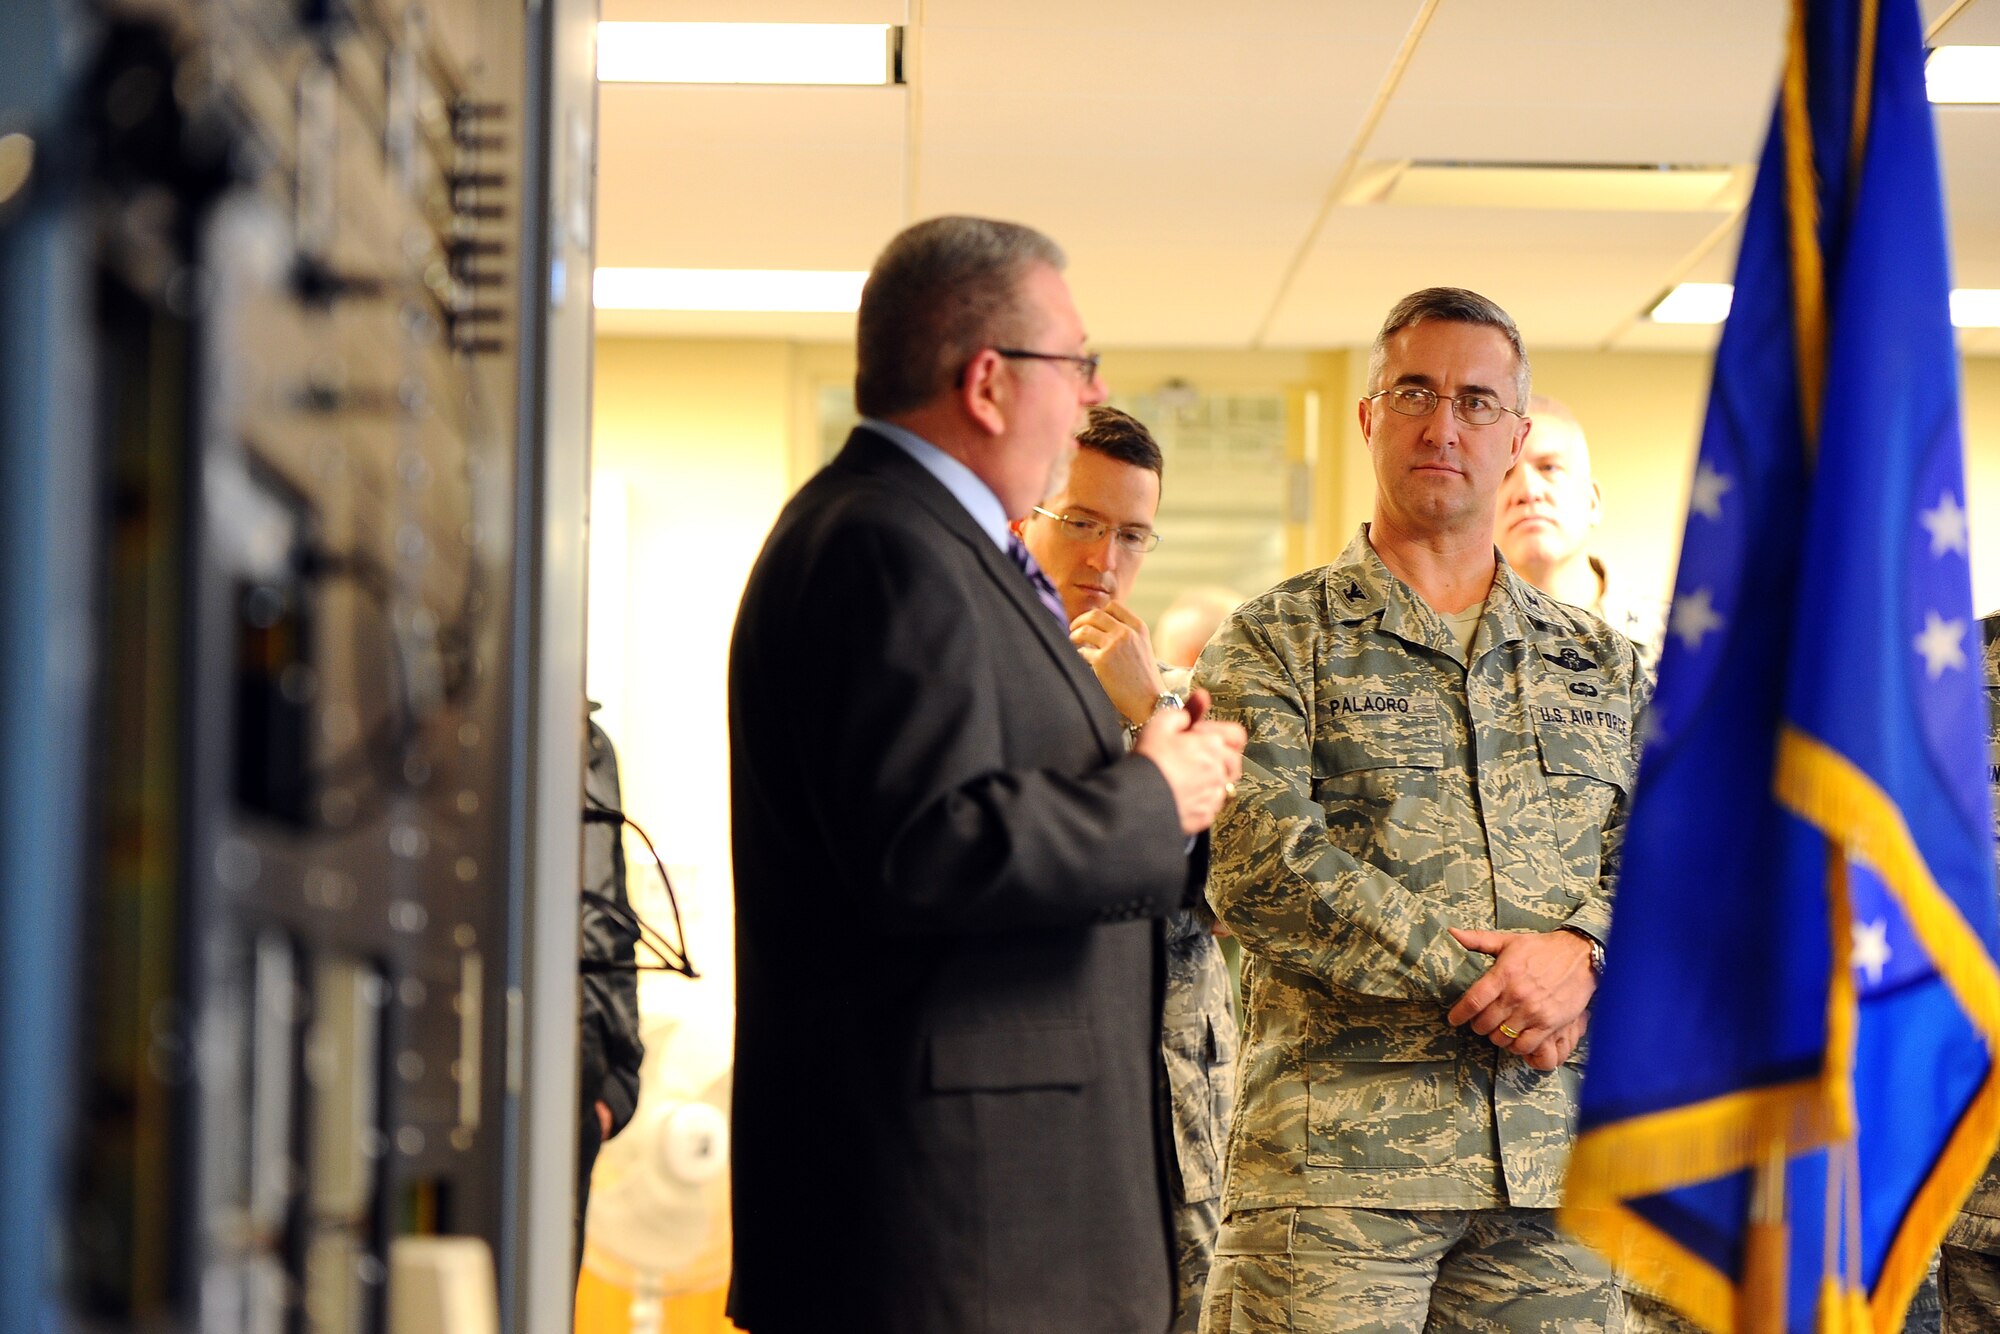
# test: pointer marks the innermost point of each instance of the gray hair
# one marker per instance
(1458, 306)
(940, 291)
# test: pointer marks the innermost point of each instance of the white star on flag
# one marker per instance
(1693, 616)
(1947, 525)
(1942, 643)
(1706, 497)
(1870, 952)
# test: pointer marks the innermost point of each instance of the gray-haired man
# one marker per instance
(949, 869)
(1419, 867)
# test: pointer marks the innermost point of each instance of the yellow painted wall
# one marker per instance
(690, 460)
(693, 438)
(1981, 387)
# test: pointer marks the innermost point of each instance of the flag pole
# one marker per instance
(1760, 1303)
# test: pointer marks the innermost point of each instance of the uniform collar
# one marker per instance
(1359, 587)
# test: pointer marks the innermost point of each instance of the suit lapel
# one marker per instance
(868, 452)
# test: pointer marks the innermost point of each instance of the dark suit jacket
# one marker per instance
(948, 964)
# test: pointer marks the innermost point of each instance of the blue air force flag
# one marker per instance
(1802, 971)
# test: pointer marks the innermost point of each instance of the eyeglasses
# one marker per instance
(1474, 409)
(1086, 365)
(1077, 528)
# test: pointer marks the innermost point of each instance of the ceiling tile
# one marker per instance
(1586, 82)
(1286, 19)
(1977, 24)
(1180, 152)
(1569, 279)
(771, 178)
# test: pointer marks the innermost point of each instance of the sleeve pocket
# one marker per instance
(997, 1059)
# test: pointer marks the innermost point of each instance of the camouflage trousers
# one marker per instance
(1195, 1224)
(1387, 1271)
(1969, 1291)
(1647, 1314)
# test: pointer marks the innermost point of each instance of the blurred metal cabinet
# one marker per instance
(295, 324)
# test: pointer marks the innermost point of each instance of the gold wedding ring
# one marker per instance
(1509, 1032)
(1228, 791)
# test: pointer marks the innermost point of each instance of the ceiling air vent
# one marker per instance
(1581, 187)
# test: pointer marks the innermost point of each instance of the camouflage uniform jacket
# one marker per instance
(1198, 1042)
(1198, 1039)
(1977, 1227)
(1390, 793)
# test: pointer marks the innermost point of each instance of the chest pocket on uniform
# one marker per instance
(1376, 758)
(1587, 764)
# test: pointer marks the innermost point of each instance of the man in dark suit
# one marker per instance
(949, 872)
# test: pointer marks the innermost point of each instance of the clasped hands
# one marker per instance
(1532, 1000)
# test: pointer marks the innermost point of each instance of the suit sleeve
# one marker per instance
(1280, 883)
(915, 771)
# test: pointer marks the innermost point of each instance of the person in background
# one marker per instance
(1969, 1272)
(950, 870)
(1185, 628)
(1091, 538)
(1419, 865)
(1189, 622)
(1549, 507)
(609, 1051)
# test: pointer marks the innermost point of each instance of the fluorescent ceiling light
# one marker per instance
(1976, 307)
(1963, 74)
(1708, 303)
(1592, 187)
(1694, 303)
(812, 53)
(833, 291)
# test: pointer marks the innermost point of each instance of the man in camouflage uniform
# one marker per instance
(1419, 864)
(1091, 538)
(1969, 1276)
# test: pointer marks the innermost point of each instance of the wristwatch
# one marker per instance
(1596, 950)
(1165, 700)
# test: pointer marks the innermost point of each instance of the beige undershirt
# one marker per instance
(1463, 625)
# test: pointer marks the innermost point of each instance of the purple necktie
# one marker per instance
(1043, 588)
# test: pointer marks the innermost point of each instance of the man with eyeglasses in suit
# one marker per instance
(949, 868)
(1091, 539)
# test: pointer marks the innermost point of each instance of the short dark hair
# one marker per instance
(940, 291)
(1458, 306)
(1123, 437)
